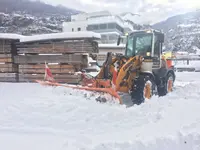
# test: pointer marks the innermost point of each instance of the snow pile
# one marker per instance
(39, 117)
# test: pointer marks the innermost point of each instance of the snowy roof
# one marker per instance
(110, 33)
(10, 36)
(112, 45)
(63, 35)
(106, 19)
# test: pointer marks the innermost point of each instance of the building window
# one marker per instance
(72, 29)
(92, 27)
(119, 28)
(79, 29)
(104, 39)
(111, 25)
(102, 26)
(113, 37)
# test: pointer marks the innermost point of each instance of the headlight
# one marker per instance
(148, 54)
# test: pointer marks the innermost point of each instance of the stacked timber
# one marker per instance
(60, 46)
(61, 72)
(64, 56)
(8, 70)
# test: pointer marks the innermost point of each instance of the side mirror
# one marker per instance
(118, 40)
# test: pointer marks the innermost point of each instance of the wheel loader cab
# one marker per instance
(147, 44)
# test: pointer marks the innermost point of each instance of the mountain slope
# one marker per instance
(182, 32)
(32, 17)
(33, 7)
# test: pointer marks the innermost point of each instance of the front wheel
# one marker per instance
(143, 88)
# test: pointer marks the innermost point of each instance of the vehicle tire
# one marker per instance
(168, 85)
(143, 88)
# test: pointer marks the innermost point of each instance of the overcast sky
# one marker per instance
(151, 11)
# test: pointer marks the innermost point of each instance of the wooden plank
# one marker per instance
(56, 50)
(6, 41)
(42, 70)
(42, 66)
(7, 65)
(9, 68)
(56, 76)
(5, 55)
(73, 79)
(60, 47)
(71, 59)
(5, 48)
(7, 74)
(8, 77)
(5, 79)
(5, 60)
(55, 43)
(68, 81)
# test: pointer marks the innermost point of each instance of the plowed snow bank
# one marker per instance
(37, 117)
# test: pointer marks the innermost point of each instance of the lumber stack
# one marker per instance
(23, 58)
(64, 58)
(8, 70)
(59, 46)
(62, 73)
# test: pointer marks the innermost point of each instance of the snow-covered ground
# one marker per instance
(192, 64)
(47, 118)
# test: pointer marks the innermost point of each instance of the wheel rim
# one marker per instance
(147, 91)
(170, 84)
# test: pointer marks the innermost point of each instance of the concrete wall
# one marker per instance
(79, 17)
(75, 26)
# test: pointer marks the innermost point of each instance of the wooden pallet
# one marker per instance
(60, 78)
(8, 68)
(40, 68)
(68, 46)
(37, 59)
(8, 77)
(5, 46)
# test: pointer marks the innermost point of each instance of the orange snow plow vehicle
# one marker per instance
(137, 75)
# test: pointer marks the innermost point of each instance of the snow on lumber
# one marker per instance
(10, 36)
(63, 35)
(112, 45)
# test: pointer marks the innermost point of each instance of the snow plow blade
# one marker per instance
(110, 91)
(89, 84)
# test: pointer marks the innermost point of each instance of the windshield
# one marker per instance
(138, 44)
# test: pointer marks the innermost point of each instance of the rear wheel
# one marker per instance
(168, 85)
(144, 88)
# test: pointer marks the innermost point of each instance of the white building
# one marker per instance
(108, 25)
